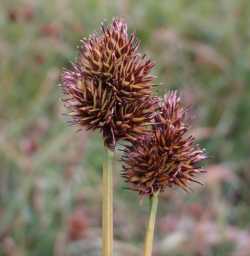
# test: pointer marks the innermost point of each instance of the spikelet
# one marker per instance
(110, 86)
(165, 158)
(113, 58)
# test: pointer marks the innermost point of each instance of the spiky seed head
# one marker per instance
(165, 157)
(110, 86)
(113, 57)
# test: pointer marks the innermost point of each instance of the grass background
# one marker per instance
(50, 175)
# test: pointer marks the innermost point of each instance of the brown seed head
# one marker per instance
(165, 157)
(109, 87)
(113, 57)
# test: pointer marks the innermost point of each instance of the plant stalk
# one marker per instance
(149, 239)
(107, 206)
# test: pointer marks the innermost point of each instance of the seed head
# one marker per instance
(109, 87)
(113, 58)
(165, 157)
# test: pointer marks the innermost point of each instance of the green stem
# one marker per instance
(148, 247)
(107, 207)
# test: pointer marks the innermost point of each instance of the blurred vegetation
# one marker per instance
(50, 175)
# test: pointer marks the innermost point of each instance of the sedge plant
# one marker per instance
(109, 88)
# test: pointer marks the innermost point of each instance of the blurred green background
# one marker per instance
(50, 175)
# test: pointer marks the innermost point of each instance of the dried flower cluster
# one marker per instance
(167, 156)
(109, 87)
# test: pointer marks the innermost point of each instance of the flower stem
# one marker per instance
(148, 247)
(107, 207)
